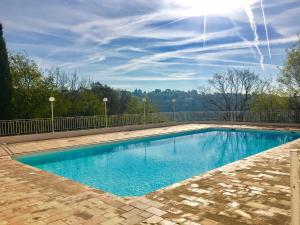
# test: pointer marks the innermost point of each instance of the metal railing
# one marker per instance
(44, 125)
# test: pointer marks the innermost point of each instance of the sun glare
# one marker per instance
(211, 7)
(204, 8)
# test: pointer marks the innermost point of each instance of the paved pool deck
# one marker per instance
(254, 190)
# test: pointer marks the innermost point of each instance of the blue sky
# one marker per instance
(152, 44)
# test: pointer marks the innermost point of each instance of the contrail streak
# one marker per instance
(204, 30)
(169, 23)
(266, 28)
(175, 21)
(254, 29)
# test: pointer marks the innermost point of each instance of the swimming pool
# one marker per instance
(140, 166)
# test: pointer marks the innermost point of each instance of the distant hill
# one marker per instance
(185, 100)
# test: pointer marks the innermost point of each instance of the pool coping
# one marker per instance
(228, 167)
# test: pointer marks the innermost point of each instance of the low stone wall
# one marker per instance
(76, 133)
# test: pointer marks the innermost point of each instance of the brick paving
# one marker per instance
(250, 191)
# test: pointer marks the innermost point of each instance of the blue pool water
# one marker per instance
(137, 167)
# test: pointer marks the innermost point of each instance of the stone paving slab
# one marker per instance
(254, 190)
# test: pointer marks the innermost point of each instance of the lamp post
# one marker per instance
(174, 102)
(51, 100)
(144, 100)
(105, 111)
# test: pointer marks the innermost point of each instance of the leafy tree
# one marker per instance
(30, 91)
(134, 106)
(150, 107)
(290, 74)
(270, 99)
(6, 85)
(113, 100)
(87, 104)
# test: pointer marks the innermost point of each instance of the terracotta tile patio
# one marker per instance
(251, 191)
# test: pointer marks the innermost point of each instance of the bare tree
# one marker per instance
(59, 77)
(232, 90)
(74, 82)
(64, 81)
